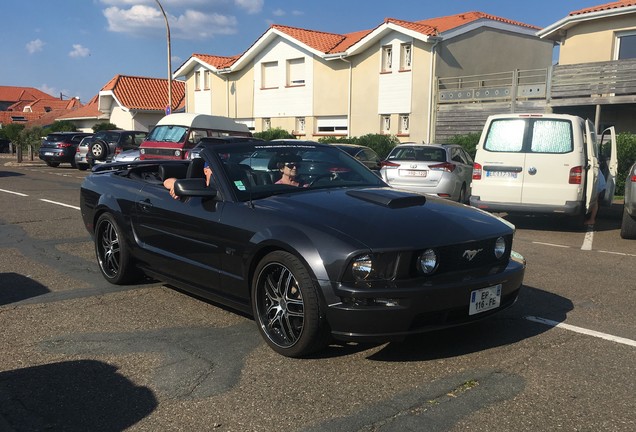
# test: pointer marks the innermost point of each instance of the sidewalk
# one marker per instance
(12, 160)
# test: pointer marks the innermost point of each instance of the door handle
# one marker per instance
(145, 205)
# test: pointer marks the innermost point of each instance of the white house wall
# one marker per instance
(203, 97)
(283, 101)
(395, 88)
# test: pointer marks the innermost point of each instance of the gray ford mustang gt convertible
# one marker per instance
(304, 238)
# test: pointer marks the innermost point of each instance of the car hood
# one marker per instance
(385, 218)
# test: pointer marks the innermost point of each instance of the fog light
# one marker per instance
(428, 261)
(500, 247)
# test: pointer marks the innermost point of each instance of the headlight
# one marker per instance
(362, 267)
(428, 261)
(142, 151)
(177, 153)
(500, 247)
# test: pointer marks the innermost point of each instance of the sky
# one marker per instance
(74, 47)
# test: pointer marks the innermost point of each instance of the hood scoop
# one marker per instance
(390, 198)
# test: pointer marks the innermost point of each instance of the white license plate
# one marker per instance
(48, 153)
(484, 299)
(506, 174)
(413, 173)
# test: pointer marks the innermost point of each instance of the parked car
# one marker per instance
(211, 141)
(80, 154)
(628, 227)
(542, 164)
(436, 169)
(60, 147)
(4, 145)
(127, 156)
(309, 263)
(106, 144)
(364, 154)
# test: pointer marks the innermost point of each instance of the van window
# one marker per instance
(551, 136)
(174, 134)
(545, 136)
(505, 136)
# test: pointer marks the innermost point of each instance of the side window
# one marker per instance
(551, 136)
(456, 156)
(469, 160)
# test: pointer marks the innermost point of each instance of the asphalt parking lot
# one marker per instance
(81, 354)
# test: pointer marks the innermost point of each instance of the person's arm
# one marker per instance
(169, 184)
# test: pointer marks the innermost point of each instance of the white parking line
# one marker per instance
(14, 193)
(582, 330)
(551, 244)
(60, 204)
(589, 238)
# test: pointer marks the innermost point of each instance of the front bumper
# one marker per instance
(410, 308)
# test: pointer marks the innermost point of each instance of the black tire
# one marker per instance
(52, 164)
(98, 150)
(82, 167)
(113, 255)
(286, 306)
(628, 226)
(73, 164)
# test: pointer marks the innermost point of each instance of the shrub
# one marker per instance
(468, 142)
(626, 152)
(60, 126)
(274, 133)
(104, 126)
(382, 144)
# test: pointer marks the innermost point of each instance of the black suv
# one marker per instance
(60, 147)
(106, 144)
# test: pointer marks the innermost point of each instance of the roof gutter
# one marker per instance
(572, 20)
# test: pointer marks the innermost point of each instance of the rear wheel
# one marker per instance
(113, 255)
(628, 226)
(462, 195)
(52, 164)
(73, 164)
(286, 306)
(82, 167)
(98, 150)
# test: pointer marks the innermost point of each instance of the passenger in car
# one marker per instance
(289, 171)
(169, 182)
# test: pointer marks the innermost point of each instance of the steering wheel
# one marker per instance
(332, 176)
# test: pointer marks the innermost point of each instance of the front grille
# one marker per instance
(160, 152)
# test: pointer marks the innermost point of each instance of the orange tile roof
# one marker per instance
(603, 7)
(45, 105)
(15, 94)
(450, 22)
(218, 62)
(143, 93)
(89, 110)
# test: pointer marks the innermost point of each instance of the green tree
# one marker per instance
(274, 133)
(61, 126)
(468, 142)
(104, 126)
(626, 153)
(382, 144)
(11, 131)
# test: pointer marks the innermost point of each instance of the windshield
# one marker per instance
(175, 134)
(258, 170)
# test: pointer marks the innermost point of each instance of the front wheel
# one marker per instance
(286, 306)
(628, 226)
(52, 164)
(112, 253)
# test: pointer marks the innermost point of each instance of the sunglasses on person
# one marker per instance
(291, 165)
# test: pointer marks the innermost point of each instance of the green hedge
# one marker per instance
(382, 144)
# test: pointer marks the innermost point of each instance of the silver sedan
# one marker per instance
(628, 227)
(442, 170)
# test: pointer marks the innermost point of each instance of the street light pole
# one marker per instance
(165, 17)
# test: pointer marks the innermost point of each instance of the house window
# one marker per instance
(269, 71)
(206, 80)
(267, 124)
(626, 47)
(332, 125)
(387, 58)
(404, 124)
(248, 122)
(405, 56)
(296, 72)
(197, 80)
(385, 124)
(300, 125)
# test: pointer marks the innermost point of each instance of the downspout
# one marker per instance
(349, 90)
(431, 108)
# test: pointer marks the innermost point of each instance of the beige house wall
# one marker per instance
(488, 50)
(364, 107)
(595, 40)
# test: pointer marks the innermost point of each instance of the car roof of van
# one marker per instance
(203, 121)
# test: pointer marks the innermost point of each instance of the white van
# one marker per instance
(176, 134)
(542, 163)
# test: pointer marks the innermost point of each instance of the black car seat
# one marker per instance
(273, 170)
(172, 170)
(195, 169)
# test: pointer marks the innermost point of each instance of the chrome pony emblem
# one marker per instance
(471, 254)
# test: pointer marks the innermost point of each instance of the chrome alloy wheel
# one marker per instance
(108, 249)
